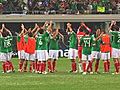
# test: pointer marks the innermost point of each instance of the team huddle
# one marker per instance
(39, 47)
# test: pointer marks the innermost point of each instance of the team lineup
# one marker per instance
(32, 46)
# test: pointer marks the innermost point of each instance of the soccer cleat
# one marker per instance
(105, 72)
(70, 71)
(50, 71)
(33, 71)
(3, 72)
(36, 71)
(24, 70)
(97, 72)
(91, 72)
(9, 71)
(20, 70)
(39, 72)
(115, 73)
(44, 72)
(84, 73)
(74, 71)
(54, 70)
(13, 71)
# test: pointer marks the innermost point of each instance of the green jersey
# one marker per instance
(115, 39)
(72, 40)
(6, 44)
(42, 41)
(95, 44)
(86, 42)
(18, 38)
(54, 43)
(119, 40)
(26, 38)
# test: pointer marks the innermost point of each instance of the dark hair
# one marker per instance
(104, 31)
(5, 33)
(41, 31)
(87, 32)
(30, 34)
(82, 29)
(53, 30)
(115, 28)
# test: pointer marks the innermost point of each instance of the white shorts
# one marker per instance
(35, 54)
(42, 55)
(30, 57)
(21, 54)
(53, 54)
(6, 56)
(119, 53)
(72, 53)
(115, 53)
(105, 56)
(86, 57)
(96, 55)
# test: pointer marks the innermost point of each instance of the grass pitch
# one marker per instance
(61, 80)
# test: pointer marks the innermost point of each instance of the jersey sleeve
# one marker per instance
(18, 38)
(26, 38)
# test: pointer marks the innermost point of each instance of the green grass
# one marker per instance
(61, 80)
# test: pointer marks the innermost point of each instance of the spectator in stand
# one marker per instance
(61, 6)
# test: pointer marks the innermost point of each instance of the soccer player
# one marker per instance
(26, 53)
(115, 41)
(53, 50)
(30, 50)
(86, 43)
(80, 34)
(72, 47)
(6, 49)
(96, 55)
(42, 47)
(20, 48)
(105, 51)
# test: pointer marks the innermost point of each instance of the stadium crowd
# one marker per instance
(39, 47)
(59, 6)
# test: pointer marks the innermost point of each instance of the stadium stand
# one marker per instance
(59, 6)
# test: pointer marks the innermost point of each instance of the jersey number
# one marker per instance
(7, 43)
(87, 43)
(40, 42)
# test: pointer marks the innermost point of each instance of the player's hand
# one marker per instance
(22, 26)
(112, 22)
(36, 26)
(3, 25)
(68, 25)
(83, 23)
(46, 22)
(51, 22)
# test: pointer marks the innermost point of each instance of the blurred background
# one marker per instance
(59, 6)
